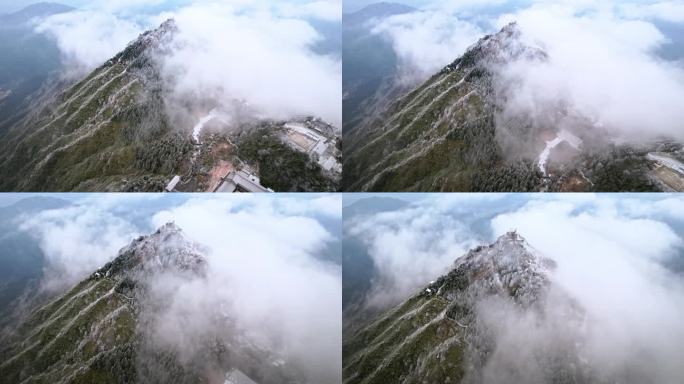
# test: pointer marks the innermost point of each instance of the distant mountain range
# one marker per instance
(32, 11)
(376, 11)
(22, 261)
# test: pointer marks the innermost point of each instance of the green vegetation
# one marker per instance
(70, 336)
(162, 156)
(281, 167)
(402, 346)
(108, 131)
(619, 169)
(440, 137)
(457, 154)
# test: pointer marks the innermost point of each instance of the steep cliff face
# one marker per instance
(456, 328)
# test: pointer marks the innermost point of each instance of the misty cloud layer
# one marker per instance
(602, 67)
(610, 262)
(267, 274)
(611, 253)
(426, 41)
(411, 247)
(264, 268)
(253, 53)
(76, 241)
(256, 58)
(602, 62)
(105, 32)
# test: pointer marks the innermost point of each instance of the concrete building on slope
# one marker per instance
(241, 181)
(235, 376)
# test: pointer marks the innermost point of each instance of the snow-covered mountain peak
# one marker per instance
(148, 42)
(509, 266)
(499, 48)
(509, 251)
(166, 30)
(167, 249)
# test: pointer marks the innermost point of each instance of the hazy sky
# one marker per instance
(15, 5)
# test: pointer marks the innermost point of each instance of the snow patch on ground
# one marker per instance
(197, 129)
(563, 136)
(544, 156)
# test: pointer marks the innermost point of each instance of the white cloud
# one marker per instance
(672, 11)
(600, 66)
(245, 53)
(602, 62)
(609, 250)
(328, 10)
(88, 38)
(257, 58)
(267, 268)
(409, 248)
(669, 207)
(609, 262)
(426, 41)
(111, 201)
(76, 241)
(466, 6)
(324, 205)
(264, 267)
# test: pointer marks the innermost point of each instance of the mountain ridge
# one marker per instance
(123, 128)
(104, 328)
(443, 332)
(84, 136)
(407, 147)
(453, 132)
(29, 12)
